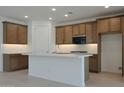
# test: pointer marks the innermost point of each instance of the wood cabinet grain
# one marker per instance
(91, 33)
(60, 35)
(10, 33)
(14, 33)
(103, 25)
(82, 29)
(22, 34)
(13, 62)
(115, 24)
(109, 25)
(68, 35)
(93, 63)
(95, 35)
(76, 30)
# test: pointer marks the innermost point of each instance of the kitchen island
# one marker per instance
(70, 69)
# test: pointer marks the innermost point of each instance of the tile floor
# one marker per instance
(21, 79)
(105, 80)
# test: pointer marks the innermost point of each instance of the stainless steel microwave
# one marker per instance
(79, 40)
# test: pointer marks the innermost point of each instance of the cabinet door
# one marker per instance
(14, 62)
(115, 24)
(23, 62)
(10, 33)
(82, 29)
(68, 35)
(95, 36)
(75, 30)
(89, 31)
(93, 63)
(60, 35)
(22, 34)
(103, 26)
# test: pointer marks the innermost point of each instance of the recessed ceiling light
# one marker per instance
(26, 16)
(107, 6)
(50, 18)
(66, 15)
(53, 9)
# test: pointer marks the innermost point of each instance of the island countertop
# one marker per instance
(59, 55)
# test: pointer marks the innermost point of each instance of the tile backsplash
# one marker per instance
(14, 48)
(91, 48)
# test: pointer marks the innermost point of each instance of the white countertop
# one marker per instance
(59, 55)
(77, 55)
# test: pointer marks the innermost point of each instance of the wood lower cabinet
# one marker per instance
(13, 62)
(14, 33)
(93, 63)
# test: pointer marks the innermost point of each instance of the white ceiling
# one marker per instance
(44, 12)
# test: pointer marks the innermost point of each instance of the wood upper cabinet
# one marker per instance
(95, 36)
(103, 25)
(59, 35)
(115, 24)
(82, 29)
(91, 32)
(22, 34)
(75, 30)
(68, 35)
(10, 33)
(109, 25)
(14, 33)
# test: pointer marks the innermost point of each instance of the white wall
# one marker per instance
(41, 36)
(111, 53)
(91, 48)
